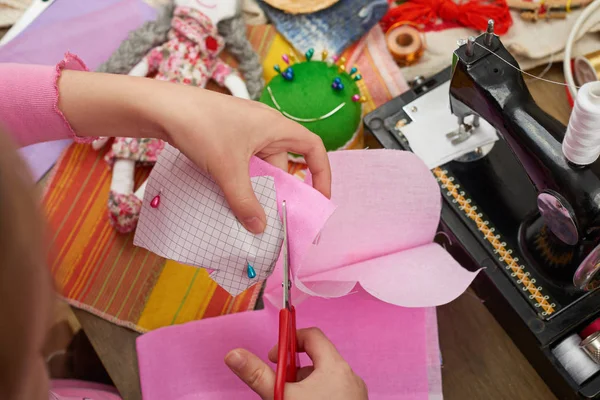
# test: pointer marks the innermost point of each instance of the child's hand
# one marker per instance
(329, 378)
(219, 133)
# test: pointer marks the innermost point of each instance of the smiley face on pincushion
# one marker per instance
(321, 96)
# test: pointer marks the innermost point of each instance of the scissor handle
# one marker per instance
(286, 354)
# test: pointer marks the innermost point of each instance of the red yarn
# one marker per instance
(471, 14)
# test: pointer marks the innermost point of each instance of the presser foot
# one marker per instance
(463, 133)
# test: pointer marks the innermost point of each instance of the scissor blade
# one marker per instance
(286, 259)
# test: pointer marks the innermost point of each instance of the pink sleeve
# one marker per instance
(29, 102)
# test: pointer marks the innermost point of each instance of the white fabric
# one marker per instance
(531, 43)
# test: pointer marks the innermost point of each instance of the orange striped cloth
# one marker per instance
(98, 270)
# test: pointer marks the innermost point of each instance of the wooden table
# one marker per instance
(480, 360)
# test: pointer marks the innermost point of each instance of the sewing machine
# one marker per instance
(515, 207)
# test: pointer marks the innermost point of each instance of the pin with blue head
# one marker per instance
(288, 74)
(337, 84)
(251, 272)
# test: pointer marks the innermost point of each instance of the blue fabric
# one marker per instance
(332, 29)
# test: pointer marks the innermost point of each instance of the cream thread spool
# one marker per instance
(581, 144)
(405, 43)
(574, 360)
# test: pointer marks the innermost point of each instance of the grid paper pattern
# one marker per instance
(194, 225)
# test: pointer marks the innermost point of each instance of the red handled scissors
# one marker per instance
(287, 357)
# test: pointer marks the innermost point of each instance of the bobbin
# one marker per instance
(405, 43)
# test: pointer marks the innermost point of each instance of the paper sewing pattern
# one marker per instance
(194, 225)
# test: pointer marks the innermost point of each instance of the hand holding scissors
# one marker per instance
(329, 378)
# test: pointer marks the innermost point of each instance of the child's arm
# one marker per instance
(29, 101)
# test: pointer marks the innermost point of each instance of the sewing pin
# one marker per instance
(358, 77)
(353, 70)
(251, 272)
(288, 75)
(277, 68)
(356, 98)
(342, 60)
(324, 55)
(363, 99)
(286, 59)
(293, 57)
(342, 68)
(155, 201)
(309, 54)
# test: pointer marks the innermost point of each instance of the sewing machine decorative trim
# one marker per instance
(518, 273)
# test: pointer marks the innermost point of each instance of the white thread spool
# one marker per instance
(574, 360)
(581, 144)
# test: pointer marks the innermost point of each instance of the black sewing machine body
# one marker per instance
(491, 214)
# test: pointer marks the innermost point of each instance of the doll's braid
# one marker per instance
(233, 31)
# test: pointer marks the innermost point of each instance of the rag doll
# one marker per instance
(181, 46)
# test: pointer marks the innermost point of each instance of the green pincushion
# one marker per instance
(311, 95)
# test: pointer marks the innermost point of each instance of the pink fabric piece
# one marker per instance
(185, 188)
(380, 235)
(29, 102)
(77, 390)
(384, 344)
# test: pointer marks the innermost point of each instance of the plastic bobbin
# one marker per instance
(581, 144)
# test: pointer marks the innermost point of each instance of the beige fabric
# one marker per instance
(11, 11)
(301, 6)
(532, 44)
(253, 14)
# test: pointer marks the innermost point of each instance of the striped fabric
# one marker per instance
(101, 271)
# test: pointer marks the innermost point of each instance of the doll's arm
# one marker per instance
(236, 86)
(226, 76)
(29, 102)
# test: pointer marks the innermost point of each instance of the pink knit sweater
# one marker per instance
(29, 113)
(29, 102)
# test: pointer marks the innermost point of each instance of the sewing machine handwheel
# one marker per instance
(586, 277)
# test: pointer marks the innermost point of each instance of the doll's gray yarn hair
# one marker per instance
(154, 33)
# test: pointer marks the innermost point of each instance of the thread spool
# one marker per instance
(405, 43)
(581, 144)
(587, 68)
(574, 360)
